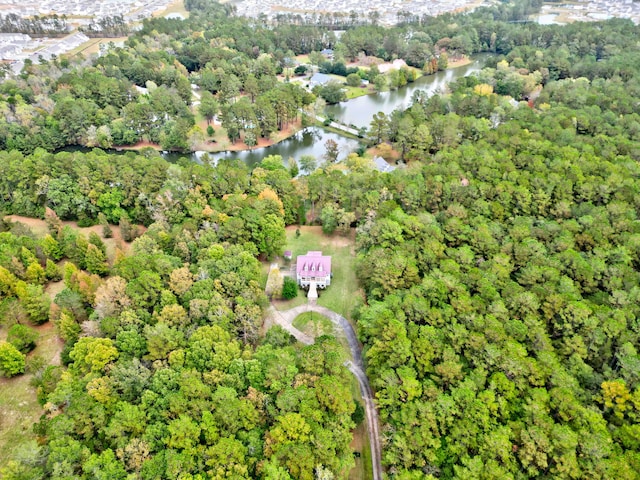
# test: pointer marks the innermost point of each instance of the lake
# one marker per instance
(359, 112)
(310, 141)
(547, 19)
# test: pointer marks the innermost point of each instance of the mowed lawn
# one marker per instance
(314, 325)
(343, 295)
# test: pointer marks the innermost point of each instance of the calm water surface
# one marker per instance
(361, 110)
(310, 141)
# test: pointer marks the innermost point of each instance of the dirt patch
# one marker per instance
(359, 444)
(49, 344)
(140, 145)
(54, 288)
(459, 62)
(389, 154)
(222, 143)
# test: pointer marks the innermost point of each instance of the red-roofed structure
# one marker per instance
(313, 267)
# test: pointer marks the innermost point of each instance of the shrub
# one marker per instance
(22, 337)
(289, 288)
(12, 362)
(358, 415)
(106, 228)
(354, 80)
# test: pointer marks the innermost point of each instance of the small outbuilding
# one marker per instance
(382, 165)
(327, 53)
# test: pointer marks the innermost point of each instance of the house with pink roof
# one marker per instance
(313, 267)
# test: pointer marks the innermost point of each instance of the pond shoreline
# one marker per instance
(294, 129)
(312, 140)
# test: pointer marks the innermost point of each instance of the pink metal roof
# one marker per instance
(313, 264)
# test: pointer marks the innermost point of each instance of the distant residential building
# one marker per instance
(382, 165)
(313, 268)
(327, 53)
(319, 79)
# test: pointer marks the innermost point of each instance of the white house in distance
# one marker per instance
(313, 268)
(319, 80)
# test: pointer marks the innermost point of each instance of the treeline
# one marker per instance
(492, 276)
(107, 27)
(147, 189)
(38, 25)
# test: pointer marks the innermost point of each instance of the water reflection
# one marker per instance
(361, 110)
(547, 19)
(310, 141)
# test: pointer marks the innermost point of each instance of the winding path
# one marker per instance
(355, 365)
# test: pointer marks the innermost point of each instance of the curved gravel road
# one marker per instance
(355, 365)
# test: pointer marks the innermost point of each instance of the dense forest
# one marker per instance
(499, 265)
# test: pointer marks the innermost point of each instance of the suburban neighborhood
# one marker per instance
(589, 11)
(84, 8)
(387, 10)
(16, 48)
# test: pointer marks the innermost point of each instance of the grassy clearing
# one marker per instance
(92, 46)
(355, 92)
(314, 324)
(39, 229)
(19, 408)
(175, 7)
(301, 299)
(342, 133)
(343, 294)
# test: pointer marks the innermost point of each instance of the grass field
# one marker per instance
(92, 46)
(19, 408)
(355, 92)
(175, 7)
(314, 324)
(39, 228)
(343, 294)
